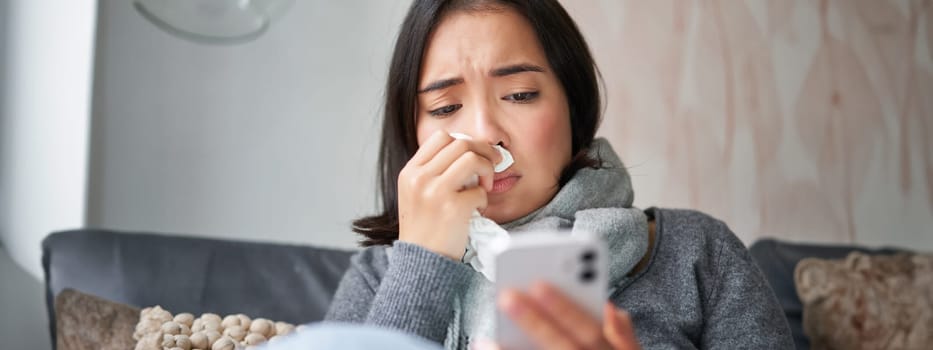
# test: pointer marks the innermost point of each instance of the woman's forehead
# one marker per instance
(478, 42)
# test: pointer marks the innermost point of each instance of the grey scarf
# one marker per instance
(598, 201)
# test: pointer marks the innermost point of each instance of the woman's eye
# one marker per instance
(446, 110)
(522, 97)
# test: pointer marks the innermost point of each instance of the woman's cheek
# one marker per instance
(551, 131)
(426, 127)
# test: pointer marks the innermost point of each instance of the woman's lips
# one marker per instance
(503, 182)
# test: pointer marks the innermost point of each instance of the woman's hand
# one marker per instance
(553, 321)
(434, 207)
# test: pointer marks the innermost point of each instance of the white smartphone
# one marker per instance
(576, 264)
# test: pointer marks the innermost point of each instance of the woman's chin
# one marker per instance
(513, 205)
(502, 213)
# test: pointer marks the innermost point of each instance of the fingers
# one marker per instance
(494, 156)
(474, 198)
(587, 329)
(534, 321)
(553, 321)
(464, 170)
(441, 153)
(618, 328)
(430, 147)
(456, 149)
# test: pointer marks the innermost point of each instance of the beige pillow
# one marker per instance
(86, 322)
(867, 302)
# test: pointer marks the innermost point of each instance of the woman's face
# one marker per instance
(485, 74)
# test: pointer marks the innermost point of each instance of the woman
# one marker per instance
(519, 75)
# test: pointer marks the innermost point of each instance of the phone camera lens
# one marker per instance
(588, 256)
(587, 276)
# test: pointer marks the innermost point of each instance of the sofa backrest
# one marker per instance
(290, 283)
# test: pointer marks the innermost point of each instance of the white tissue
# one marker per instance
(507, 159)
(485, 238)
(485, 235)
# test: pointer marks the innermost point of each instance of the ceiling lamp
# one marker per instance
(213, 21)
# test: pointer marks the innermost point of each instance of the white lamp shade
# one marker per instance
(213, 21)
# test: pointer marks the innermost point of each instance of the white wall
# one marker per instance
(273, 140)
(772, 117)
(276, 139)
(44, 122)
(4, 31)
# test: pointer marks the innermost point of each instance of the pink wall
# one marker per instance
(807, 120)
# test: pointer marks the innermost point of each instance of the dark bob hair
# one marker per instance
(566, 51)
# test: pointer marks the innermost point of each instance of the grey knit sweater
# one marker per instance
(700, 289)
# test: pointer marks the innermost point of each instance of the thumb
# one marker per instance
(618, 328)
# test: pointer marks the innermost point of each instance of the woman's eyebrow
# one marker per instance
(498, 72)
(515, 69)
(441, 84)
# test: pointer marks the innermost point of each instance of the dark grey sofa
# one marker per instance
(281, 282)
(288, 283)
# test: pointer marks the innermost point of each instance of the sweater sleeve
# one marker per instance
(415, 293)
(357, 288)
(742, 311)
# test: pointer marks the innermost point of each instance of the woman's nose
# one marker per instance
(487, 126)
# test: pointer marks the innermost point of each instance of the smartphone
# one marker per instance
(574, 263)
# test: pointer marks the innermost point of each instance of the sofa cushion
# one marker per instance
(777, 260)
(867, 302)
(86, 322)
